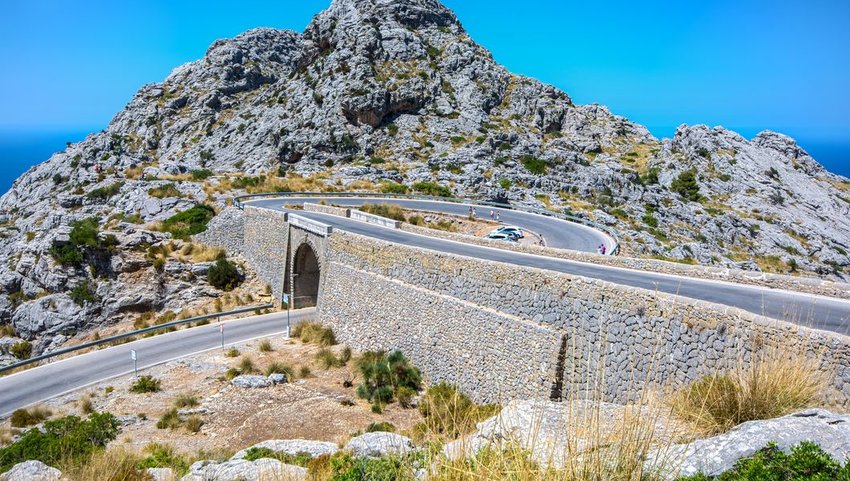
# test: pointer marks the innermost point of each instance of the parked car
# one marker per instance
(511, 230)
(500, 236)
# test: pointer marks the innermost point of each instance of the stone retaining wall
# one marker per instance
(619, 338)
(327, 209)
(226, 230)
(265, 238)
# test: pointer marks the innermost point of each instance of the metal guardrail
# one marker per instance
(238, 202)
(125, 335)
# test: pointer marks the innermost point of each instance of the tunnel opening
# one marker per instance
(306, 274)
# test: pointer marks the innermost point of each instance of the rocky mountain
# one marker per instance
(388, 95)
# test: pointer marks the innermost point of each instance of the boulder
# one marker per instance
(31, 471)
(294, 447)
(241, 470)
(251, 381)
(712, 456)
(379, 444)
(162, 474)
(550, 430)
(278, 378)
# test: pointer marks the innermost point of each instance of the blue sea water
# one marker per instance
(21, 150)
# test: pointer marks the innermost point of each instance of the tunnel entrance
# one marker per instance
(306, 275)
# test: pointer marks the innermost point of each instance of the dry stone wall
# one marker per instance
(264, 247)
(616, 339)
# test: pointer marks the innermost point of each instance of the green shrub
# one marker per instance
(21, 349)
(189, 222)
(62, 440)
(67, 254)
(344, 467)
(327, 359)
(505, 183)
(104, 193)
(650, 177)
(224, 275)
(393, 188)
(432, 188)
(159, 264)
(448, 412)
(383, 374)
(534, 165)
(84, 293)
(383, 427)
(299, 459)
(392, 129)
(84, 236)
(145, 384)
(160, 456)
(201, 174)
(22, 418)
(686, 186)
(650, 220)
(390, 211)
(405, 396)
(806, 462)
(169, 420)
(186, 401)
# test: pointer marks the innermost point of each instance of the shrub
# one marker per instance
(160, 456)
(163, 191)
(66, 439)
(21, 349)
(327, 359)
(194, 423)
(534, 165)
(280, 368)
(344, 467)
(169, 420)
(106, 192)
(266, 346)
(186, 401)
(806, 461)
(22, 418)
(232, 352)
(405, 396)
(650, 177)
(145, 384)
(315, 333)
(390, 211)
(383, 374)
(450, 413)
(246, 365)
(393, 188)
(201, 174)
(505, 183)
(432, 188)
(382, 427)
(84, 293)
(686, 186)
(224, 275)
(300, 459)
(159, 264)
(189, 222)
(85, 404)
(304, 372)
(769, 386)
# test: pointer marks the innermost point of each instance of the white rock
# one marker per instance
(379, 444)
(294, 447)
(31, 471)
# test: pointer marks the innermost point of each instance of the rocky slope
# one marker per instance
(386, 95)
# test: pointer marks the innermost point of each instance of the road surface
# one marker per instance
(50, 380)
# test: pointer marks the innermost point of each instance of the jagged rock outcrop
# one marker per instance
(377, 91)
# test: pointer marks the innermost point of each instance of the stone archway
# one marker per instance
(306, 275)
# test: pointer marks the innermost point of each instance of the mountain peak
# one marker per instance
(409, 13)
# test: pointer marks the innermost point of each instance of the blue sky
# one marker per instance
(747, 65)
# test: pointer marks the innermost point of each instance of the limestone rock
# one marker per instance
(278, 378)
(162, 474)
(31, 471)
(714, 455)
(251, 381)
(294, 447)
(380, 444)
(241, 470)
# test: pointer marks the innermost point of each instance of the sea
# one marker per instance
(21, 150)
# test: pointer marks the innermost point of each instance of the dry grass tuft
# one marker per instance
(315, 333)
(109, 465)
(773, 384)
(194, 252)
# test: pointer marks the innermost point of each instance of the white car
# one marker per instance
(511, 230)
(500, 236)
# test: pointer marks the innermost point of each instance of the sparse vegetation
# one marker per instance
(265, 346)
(106, 192)
(145, 384)
(432, 188)
(224, 275)
(84, 293)
(686, 186)
(189, 222)
(22, 418)
(163, 191)
(314, 333)
(383, 374)
(449, 413)
(390, 211)
(534, 165)
(21, 349)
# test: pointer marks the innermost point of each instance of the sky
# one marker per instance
(69, 66)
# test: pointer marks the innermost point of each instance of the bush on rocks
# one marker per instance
(224, 275)
(383, 375)
(145, 384)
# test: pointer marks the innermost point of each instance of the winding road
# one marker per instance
(810, 310)
(51, 380)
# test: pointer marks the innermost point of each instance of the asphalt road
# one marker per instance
(50, 380)
(813, 311)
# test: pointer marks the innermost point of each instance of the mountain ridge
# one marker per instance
(393, 96)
